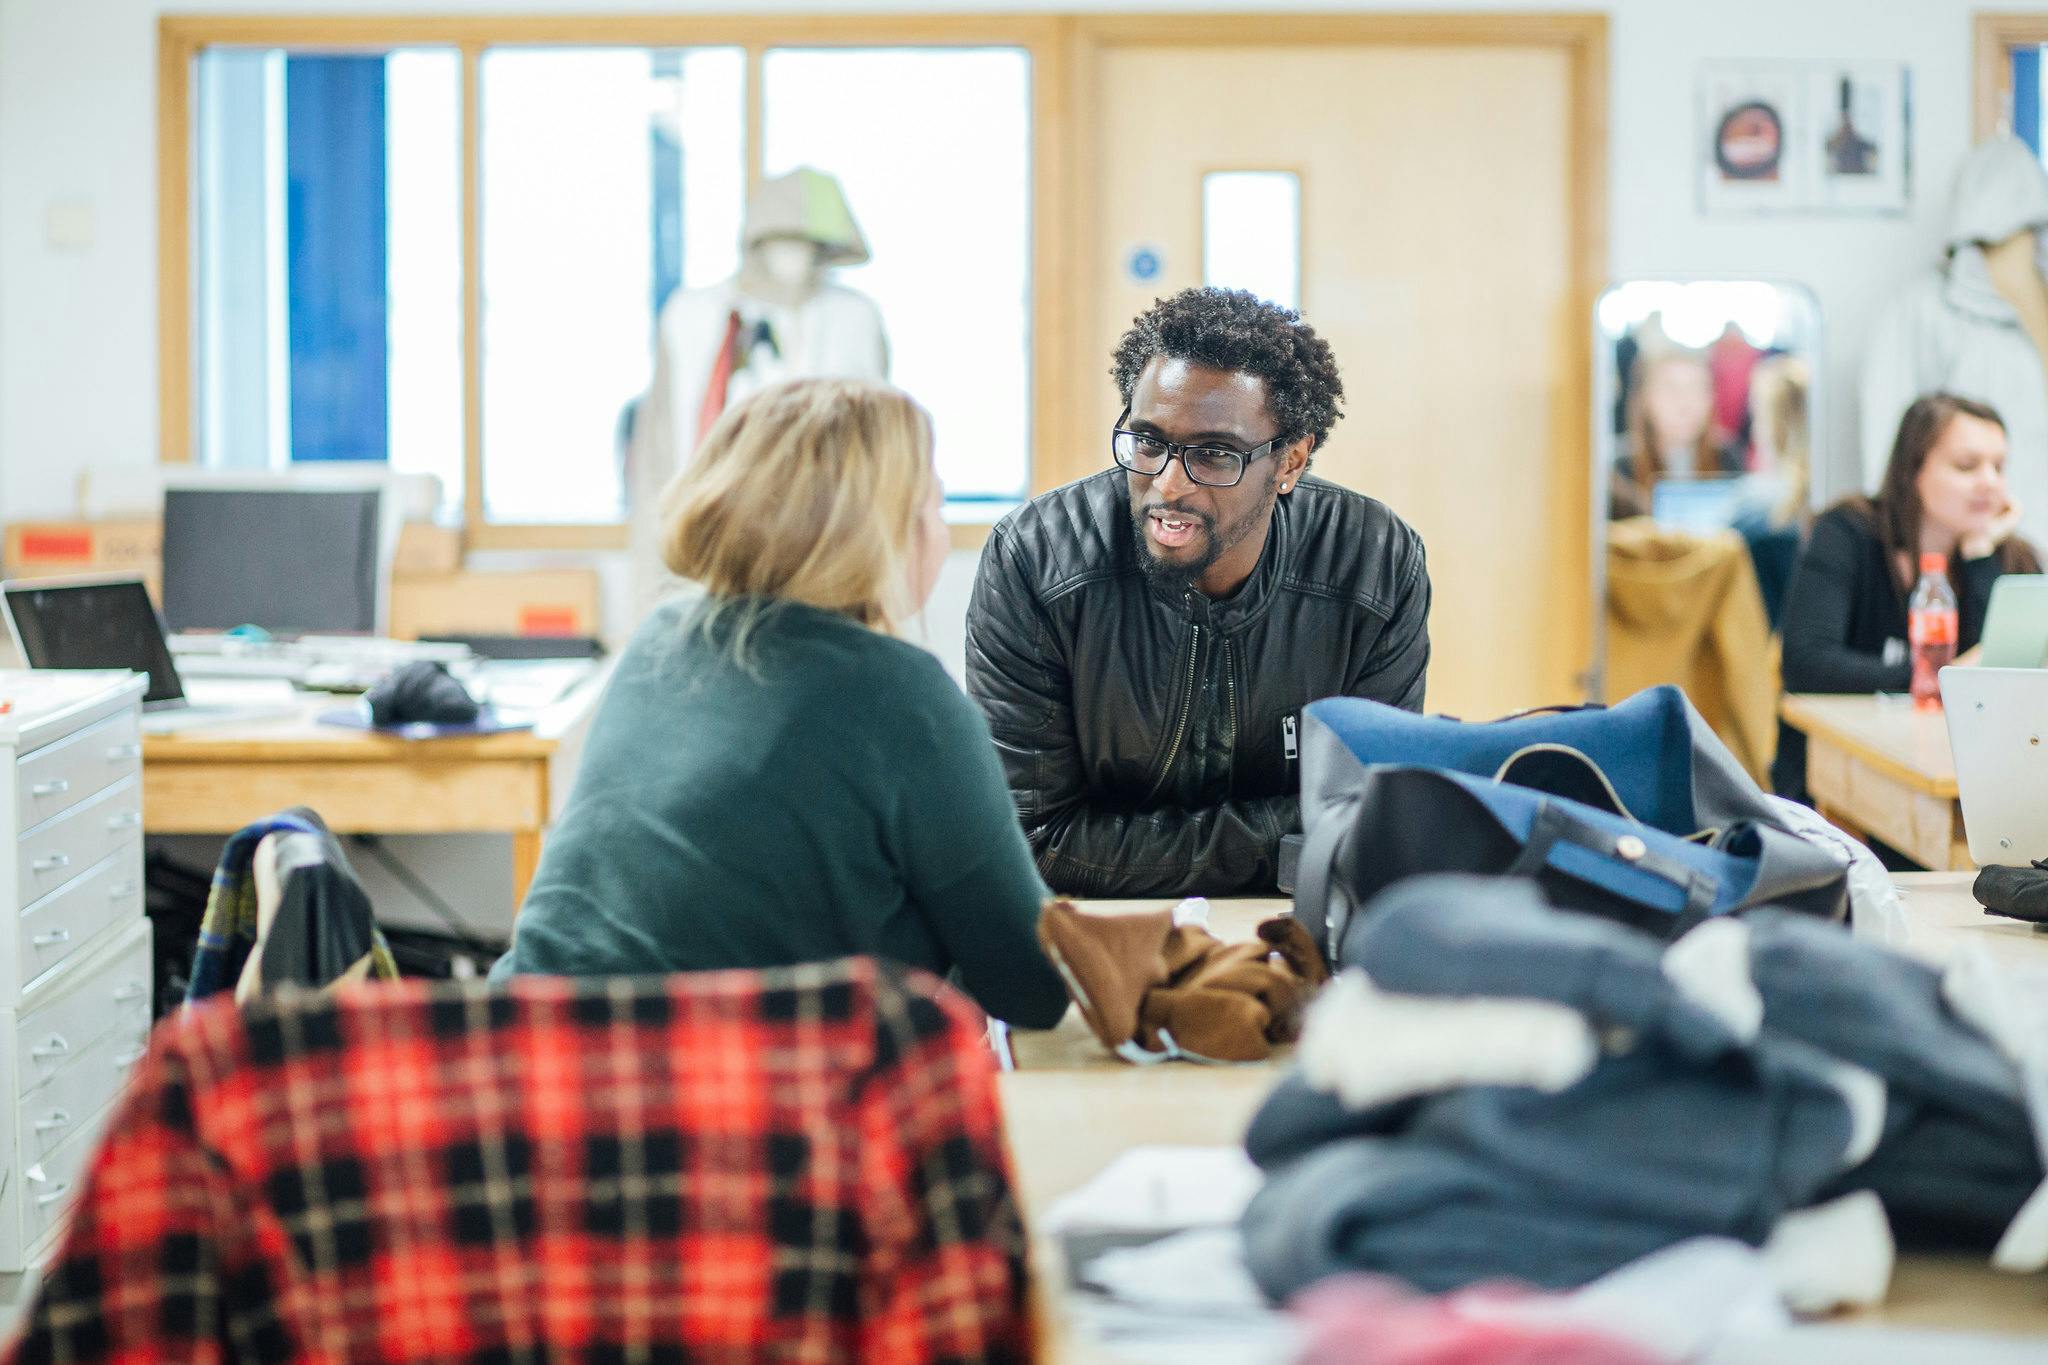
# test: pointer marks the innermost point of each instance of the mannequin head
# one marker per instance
(782, 270)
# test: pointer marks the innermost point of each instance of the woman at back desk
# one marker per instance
(1845, 618)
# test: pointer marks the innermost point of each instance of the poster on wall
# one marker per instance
(1802, 137)
(1862, 114)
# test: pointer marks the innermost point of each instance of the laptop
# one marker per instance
(2016, 622)
(1998, 733)
(1701, 505)
(110, 622)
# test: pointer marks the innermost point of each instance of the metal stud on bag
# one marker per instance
(1630, 848)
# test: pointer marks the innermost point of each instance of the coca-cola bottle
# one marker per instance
(1931, 630)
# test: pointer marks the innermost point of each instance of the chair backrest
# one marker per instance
(803, 1162)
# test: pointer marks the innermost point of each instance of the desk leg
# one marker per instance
(525, 858)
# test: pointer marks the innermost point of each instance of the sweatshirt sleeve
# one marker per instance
(965, 859)
(1818, 611)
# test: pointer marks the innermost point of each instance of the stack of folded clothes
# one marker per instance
(1501, 1090)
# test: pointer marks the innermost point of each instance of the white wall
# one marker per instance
(77, 113)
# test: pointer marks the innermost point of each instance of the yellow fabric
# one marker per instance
(1685, 609)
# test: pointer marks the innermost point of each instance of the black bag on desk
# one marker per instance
(1637, 813)
(2015, 892)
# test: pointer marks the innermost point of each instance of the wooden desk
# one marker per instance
(215, 779)
(1877, 767)
(1070, 1109)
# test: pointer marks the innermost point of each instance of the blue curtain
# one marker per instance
(2026, 95)
(335, 271)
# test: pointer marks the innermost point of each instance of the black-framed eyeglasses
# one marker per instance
(1216, 466)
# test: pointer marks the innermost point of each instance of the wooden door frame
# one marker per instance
(1995, 35)
(1069, 450)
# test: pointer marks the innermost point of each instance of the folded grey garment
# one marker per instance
(1498, 936)
(1432, 1216)
(1959, 1154)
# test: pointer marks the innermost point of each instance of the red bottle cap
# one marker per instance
(1933, 563)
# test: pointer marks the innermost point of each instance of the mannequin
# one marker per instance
(1977, 325)
(779, 318)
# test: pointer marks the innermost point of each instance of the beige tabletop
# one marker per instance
(1881, 768)
(1070, 1109)
(1887, 732)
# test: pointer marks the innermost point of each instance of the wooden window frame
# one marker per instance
(1996, 35)
(181, 39)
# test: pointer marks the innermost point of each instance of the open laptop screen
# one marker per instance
(108, 623)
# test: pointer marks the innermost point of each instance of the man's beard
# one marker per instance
(1179, 577)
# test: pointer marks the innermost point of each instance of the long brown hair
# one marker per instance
(1894, 514)
(1646, 459)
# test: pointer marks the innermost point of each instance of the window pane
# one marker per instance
(610, 176)
(933, 148)
(1251, 233)
(328, 269)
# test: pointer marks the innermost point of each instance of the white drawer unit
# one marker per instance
(75, 988)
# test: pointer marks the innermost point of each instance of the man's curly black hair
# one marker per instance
(1233, 329)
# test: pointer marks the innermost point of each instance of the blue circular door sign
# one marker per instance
(1143, 265)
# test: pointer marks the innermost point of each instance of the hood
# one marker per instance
(2001, 189)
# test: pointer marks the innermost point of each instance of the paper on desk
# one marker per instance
(1161, 1188)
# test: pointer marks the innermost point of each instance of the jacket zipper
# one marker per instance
(1289, 745)
(1187, 704)
(1230, 688)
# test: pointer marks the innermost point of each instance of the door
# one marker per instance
(1437, 256)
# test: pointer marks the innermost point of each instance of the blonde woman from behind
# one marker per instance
(773, 777)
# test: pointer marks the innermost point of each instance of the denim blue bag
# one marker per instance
(1635, 812)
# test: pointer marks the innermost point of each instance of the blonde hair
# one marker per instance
(809, 491)
(1778, 419)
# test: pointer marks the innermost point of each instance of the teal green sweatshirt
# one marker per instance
(834, 793)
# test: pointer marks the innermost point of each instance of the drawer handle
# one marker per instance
(58, 1119)
(127, 819)
(57, 1192)
(131, 991)
(55, 1047)
(123, 891)
(124, 1060)
(51, 863)
(121, 753)
(52, 939)
(55, 787)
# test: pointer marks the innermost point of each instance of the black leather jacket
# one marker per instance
(1150, 738)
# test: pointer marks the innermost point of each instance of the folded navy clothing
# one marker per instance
(2015, 892)
(1760, 1066)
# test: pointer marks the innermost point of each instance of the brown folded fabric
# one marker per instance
(1144, 979)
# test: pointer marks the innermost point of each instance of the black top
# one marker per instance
(1846, 604)
(1151, 737)
(1845, 622)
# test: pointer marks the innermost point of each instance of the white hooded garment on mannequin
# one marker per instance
(792, 324)
(1953, 330)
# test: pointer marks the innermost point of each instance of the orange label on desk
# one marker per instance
(46, 546)
(548, 620)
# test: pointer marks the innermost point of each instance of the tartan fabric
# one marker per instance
(803, 1164)
(228, 931)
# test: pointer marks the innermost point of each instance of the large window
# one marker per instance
(450, 253)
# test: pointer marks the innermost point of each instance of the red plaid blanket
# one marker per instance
(801, 1164)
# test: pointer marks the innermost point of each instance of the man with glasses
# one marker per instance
(1142, 641)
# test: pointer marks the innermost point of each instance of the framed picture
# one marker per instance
(1862, 116)
(1803, 137)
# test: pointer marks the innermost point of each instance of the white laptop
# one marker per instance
(2016, 622)
(109, 622)
(1998, 731)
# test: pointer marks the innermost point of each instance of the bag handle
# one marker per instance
(1553, 825)
(1312, 878)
